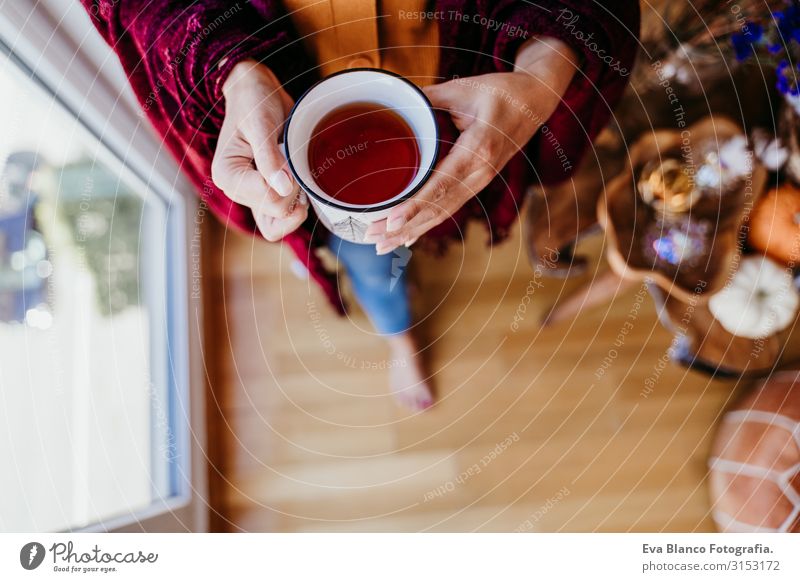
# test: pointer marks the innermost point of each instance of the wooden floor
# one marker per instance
(535, 429)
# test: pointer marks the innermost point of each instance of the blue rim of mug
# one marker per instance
(362, 208)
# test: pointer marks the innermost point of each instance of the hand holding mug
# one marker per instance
(360, 142)
(248, 164)
(497, 114)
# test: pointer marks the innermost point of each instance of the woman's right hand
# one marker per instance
(248, 164)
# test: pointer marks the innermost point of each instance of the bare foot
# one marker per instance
(407, 377)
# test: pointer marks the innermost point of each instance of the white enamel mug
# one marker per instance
(350, 221)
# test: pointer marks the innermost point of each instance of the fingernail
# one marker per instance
(394, 224)
(303, 199)
(384, 249)
(281, 183)
(408, 243)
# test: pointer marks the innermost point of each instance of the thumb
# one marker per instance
(271, 163)
(441, 95)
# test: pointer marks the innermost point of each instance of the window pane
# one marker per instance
(85, 431)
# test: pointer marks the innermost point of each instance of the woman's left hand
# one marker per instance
(497, 114)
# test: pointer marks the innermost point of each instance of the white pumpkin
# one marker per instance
(758, 301)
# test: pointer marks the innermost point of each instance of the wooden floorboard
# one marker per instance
(306, 438)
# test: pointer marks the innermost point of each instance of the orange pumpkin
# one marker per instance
(775, 225)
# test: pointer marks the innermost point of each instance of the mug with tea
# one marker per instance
(360, 142)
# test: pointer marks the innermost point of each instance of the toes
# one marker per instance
(410, 388)
(406, 400)
(416, 398)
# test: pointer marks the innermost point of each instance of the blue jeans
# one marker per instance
(379, 283)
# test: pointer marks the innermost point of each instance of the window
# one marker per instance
(93, 422)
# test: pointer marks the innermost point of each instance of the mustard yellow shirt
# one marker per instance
(390, 34)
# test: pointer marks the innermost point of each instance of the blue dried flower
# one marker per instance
(743, 41)
(787, 78)
(788, 23)
(774, 48)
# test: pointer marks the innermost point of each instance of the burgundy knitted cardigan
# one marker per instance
(177, 55)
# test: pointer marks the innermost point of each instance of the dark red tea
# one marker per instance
(363, 153)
